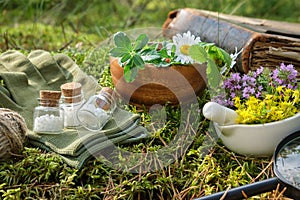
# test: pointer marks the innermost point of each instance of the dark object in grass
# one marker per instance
(286, 168)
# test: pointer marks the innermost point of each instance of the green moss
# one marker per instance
(78, 30)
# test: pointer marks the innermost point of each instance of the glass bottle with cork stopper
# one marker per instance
(48, 116)
(72, 98)
(97, 110)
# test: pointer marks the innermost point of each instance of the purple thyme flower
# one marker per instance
(256, 83)
(285, 76)
(258, 72)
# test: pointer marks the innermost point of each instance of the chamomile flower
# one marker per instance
(183, 43)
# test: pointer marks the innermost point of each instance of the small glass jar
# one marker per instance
(97, 110)
(71, 105)
(72, 99)
(48, 116)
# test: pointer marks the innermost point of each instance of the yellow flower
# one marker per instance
(275, 107)
(279, 89)
(237, 101)
(184, 49)
(295, 96)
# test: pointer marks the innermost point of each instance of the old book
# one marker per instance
(263, 42)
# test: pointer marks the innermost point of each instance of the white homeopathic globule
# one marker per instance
(48, 123)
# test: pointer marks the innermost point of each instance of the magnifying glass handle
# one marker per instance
(248, 190)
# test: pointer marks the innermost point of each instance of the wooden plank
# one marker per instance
(259, 25)
(263, 42)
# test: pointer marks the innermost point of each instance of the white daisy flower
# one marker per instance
(183, 43)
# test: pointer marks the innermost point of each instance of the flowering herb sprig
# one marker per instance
(256, 83)
(184, 49)
(263, 95)
(282, 104)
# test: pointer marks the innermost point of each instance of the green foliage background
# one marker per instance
(74, 19)
(77, 27)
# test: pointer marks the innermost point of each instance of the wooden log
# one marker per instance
(264, 43)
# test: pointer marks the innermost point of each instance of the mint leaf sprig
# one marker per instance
(133, 56)
(129, 54)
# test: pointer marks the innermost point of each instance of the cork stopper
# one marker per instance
(49, 98)
(105, 104)
(108, 90)
(71, 92)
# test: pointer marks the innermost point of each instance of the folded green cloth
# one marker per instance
(77, 146)
(21, 79)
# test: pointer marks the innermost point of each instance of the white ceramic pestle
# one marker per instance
(248, 139)
(219, 114)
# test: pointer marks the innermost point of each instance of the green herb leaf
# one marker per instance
(141, 42)
(127, 72)
(164, 53)
(173, 50)
(198, 53)
(150, 58)
(215, 54)
(138, 62)
(226, 57)
(125, 57)
(123, 41)
(118, 51)
(130, 72)
(213, 74)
